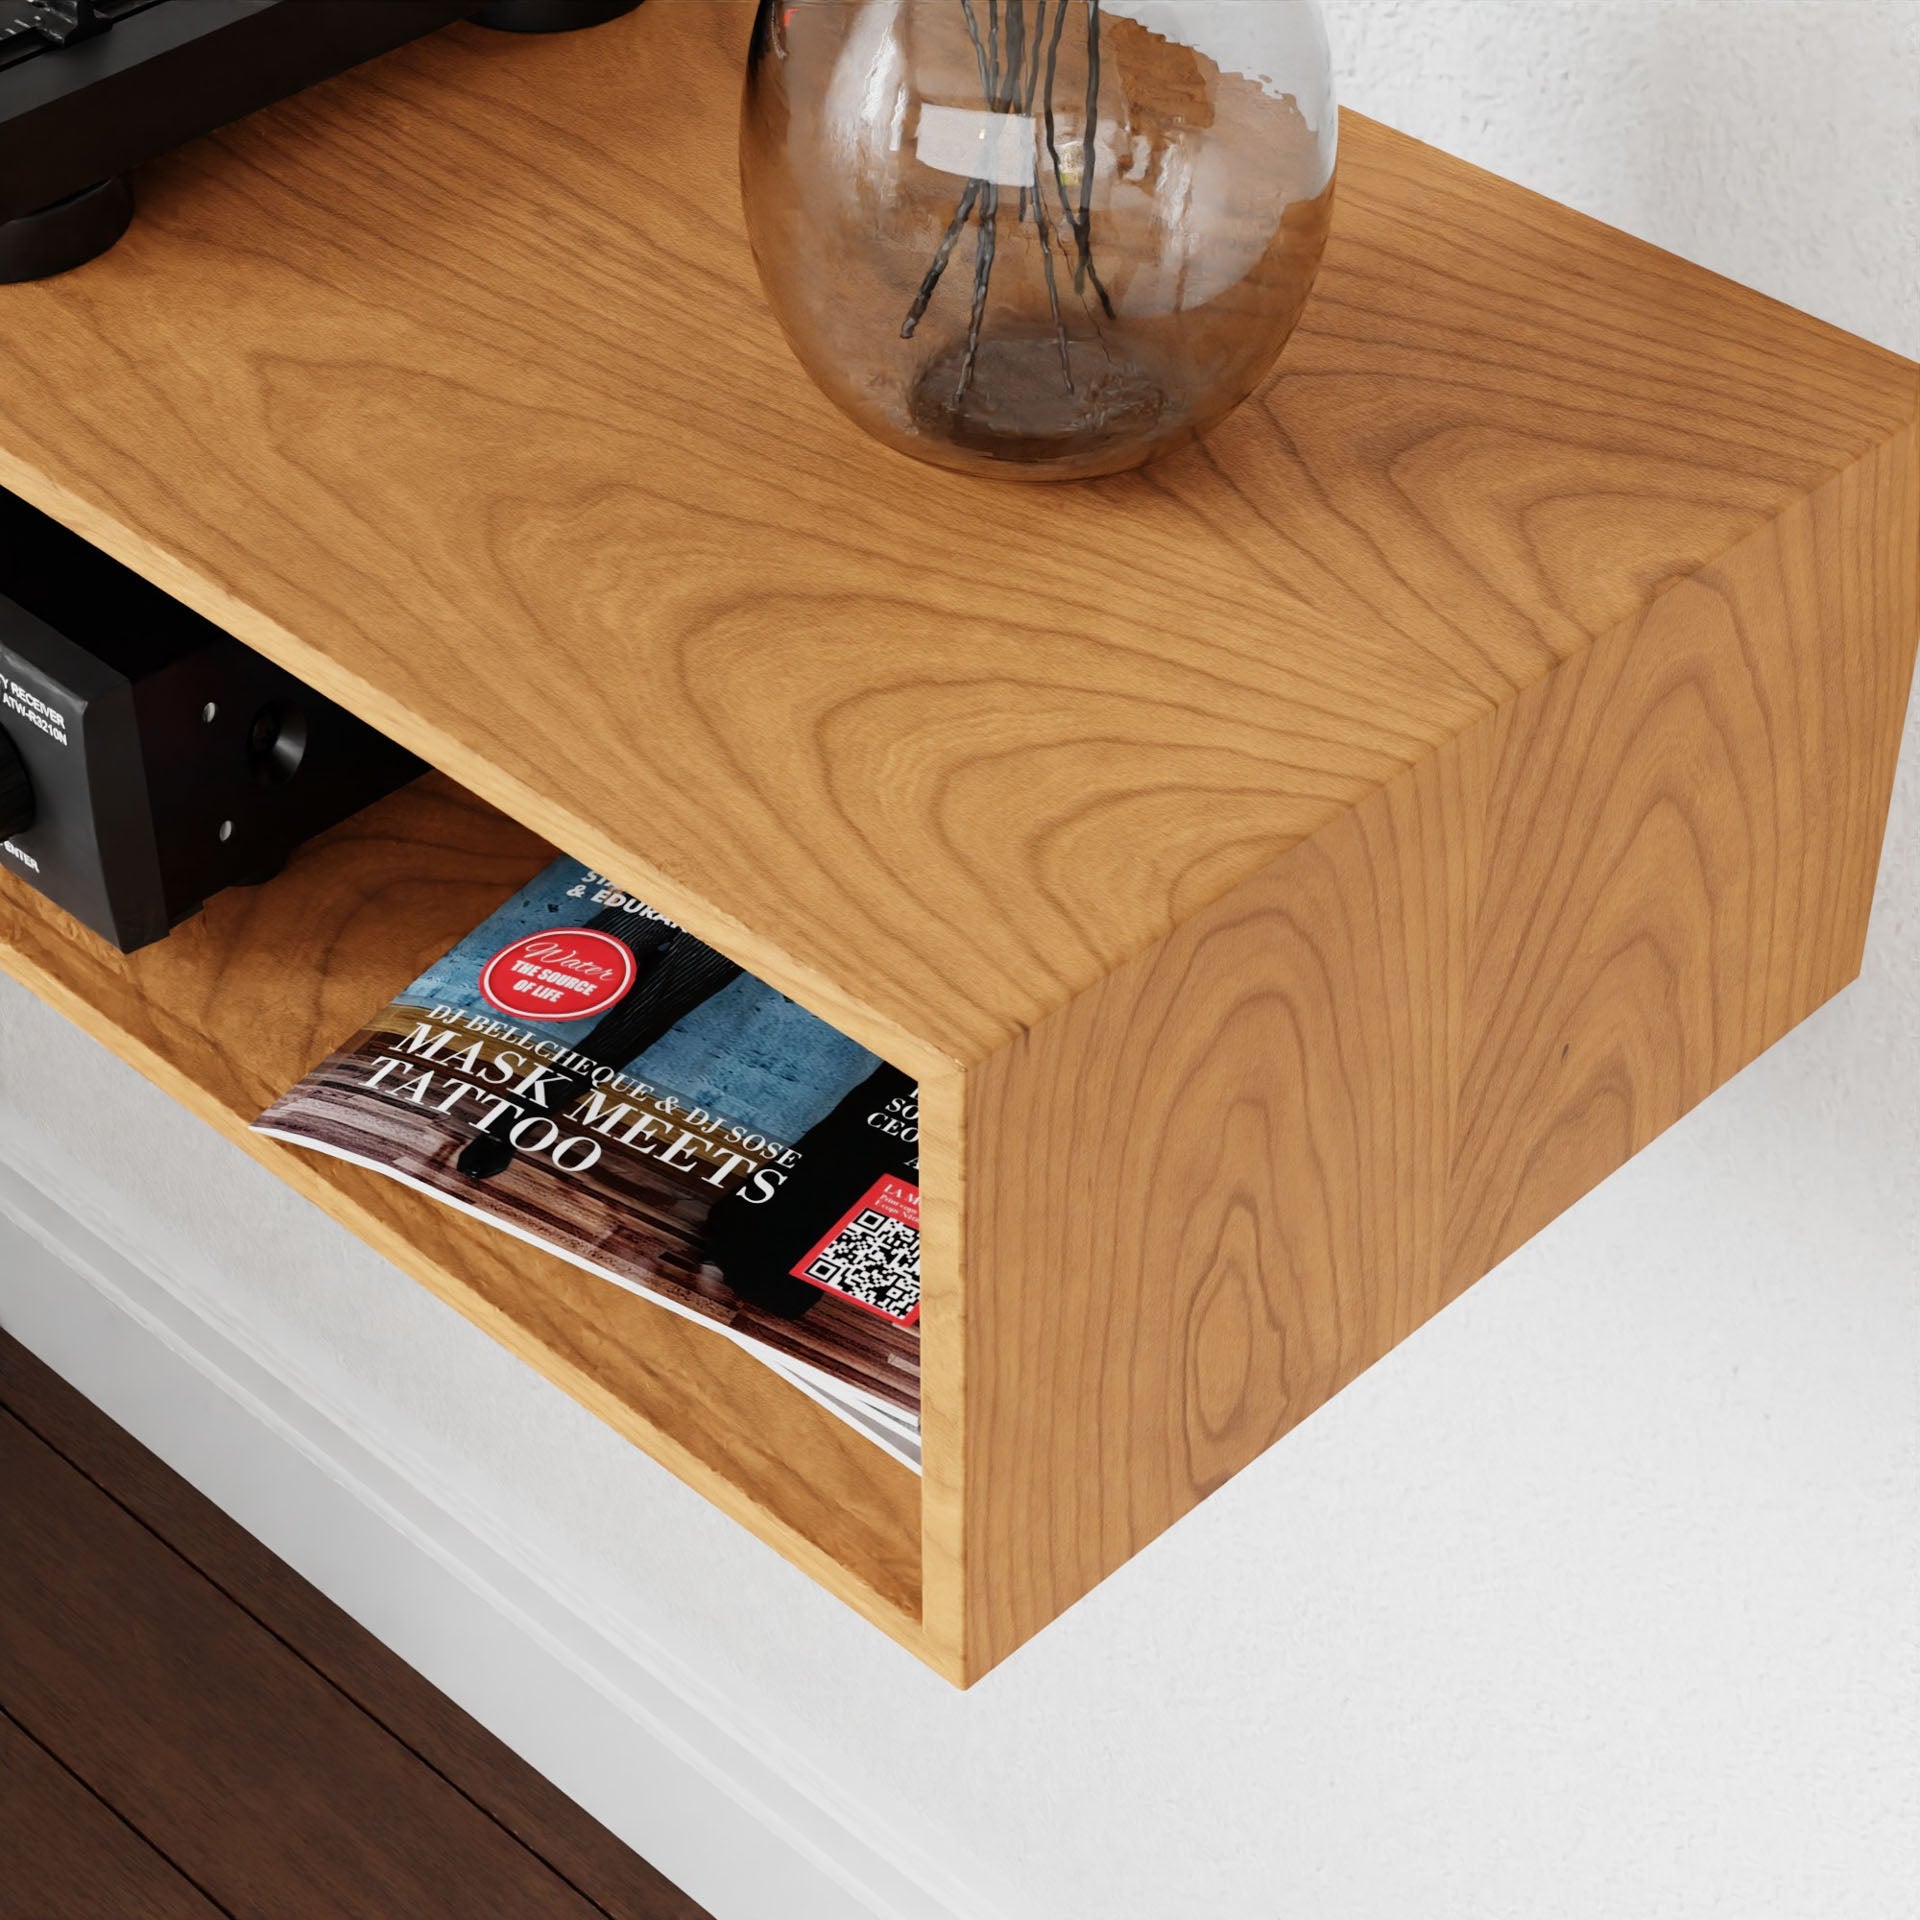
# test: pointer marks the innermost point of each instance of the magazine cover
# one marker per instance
(583, 1073)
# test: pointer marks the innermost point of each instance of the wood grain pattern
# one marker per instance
(1212, 1191)
(1251, 1122)
(240, 1002)
(115, 1655)
(1683, 830)
(66, 1856)
(1362, 832)
(527, 476)
(538, 1816)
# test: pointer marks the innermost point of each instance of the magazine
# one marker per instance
(583, 1073)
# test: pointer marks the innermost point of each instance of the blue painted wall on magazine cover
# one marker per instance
(748, 1053)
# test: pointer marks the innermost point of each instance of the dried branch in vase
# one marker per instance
(1142, 208)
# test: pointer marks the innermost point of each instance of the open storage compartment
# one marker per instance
(217, 1016)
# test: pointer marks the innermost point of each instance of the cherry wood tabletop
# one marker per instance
(450, 385)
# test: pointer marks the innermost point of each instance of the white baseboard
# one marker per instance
(618, 1734)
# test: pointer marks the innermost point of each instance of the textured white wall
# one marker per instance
(1776, 141)
(1596, 1599)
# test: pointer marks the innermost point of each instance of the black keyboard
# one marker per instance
(91, 88)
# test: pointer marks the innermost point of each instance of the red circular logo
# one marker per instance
(570, 973)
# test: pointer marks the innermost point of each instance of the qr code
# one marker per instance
(873, 1259)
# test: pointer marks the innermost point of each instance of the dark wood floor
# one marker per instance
(188, 1729)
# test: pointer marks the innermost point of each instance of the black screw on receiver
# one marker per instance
(277, 742)
(16, 791)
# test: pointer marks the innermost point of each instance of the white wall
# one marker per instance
(1596, 1599)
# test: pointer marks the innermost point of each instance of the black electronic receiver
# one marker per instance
(90, 88)
(147, 758)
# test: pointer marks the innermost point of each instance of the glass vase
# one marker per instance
(1050, 239)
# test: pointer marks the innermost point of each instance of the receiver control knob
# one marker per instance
(16, 791)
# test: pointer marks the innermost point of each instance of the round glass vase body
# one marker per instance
(1044, 238)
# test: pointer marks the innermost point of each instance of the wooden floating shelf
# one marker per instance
(1357, 838)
